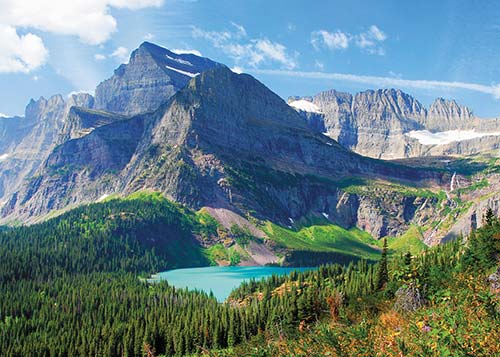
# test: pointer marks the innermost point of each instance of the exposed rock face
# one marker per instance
(409, 299)
(494, 280)
(447, 115)
(12, 131)
(39, 130)
(80, 122)
(377, 123)
(220, 140)
(152, 75)
(224, 141)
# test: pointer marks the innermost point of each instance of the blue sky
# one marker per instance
(430, 49)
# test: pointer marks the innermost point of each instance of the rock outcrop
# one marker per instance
(380, 124)
(152, 75)
(37, 135)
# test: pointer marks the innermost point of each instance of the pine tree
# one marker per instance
(489, 217)
(383, 271)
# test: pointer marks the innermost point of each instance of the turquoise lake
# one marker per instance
(219, 280)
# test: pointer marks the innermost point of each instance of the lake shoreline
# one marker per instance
(220, 280)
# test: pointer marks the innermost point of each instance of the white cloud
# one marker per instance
(248, 51)
(319, 65)
(2, 115)
(274, 51)
(369, 41)
(384, 82)
(148, 36)
(121, 54)
(332, 40)
(395, 74)
(20, 53)
(89, 20)
(377, 33)
(180, 51)
(241, 31)
(237, 70)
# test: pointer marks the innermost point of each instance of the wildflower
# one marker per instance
(426, 328)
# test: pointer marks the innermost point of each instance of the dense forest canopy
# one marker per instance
(73, 286)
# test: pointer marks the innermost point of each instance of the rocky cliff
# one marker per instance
(382, 124)
(152, 75)
(34, 137)
(224, 141)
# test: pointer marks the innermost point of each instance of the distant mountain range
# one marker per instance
(390, 124)
(204, 136)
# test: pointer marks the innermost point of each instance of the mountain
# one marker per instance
(152, 75)
(390, 124)
(29, 140)
(227, 142)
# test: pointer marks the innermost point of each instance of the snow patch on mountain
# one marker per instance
(180, 60)
(305, 106)
(103, 197)
(3, 157)
(2, 115)
(425, 137)
(182, 72)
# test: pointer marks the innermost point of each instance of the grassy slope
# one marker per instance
(316, 235)
(332, 238)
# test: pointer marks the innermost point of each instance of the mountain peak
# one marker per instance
(450, 109)
(151, 77)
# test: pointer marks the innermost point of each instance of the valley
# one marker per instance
(339, 224)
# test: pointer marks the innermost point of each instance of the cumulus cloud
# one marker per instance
(121, 54)
(333, 40)
(384, 82)
(248, 51)
(89, 20)
(368, 41)
(181, 51)
(20, 53)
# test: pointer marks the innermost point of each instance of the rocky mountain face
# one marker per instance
(224, 141)
(34, 137)
(447, 115)
(12, 131)
(379, 123)
(207, 137)
(152, 75)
